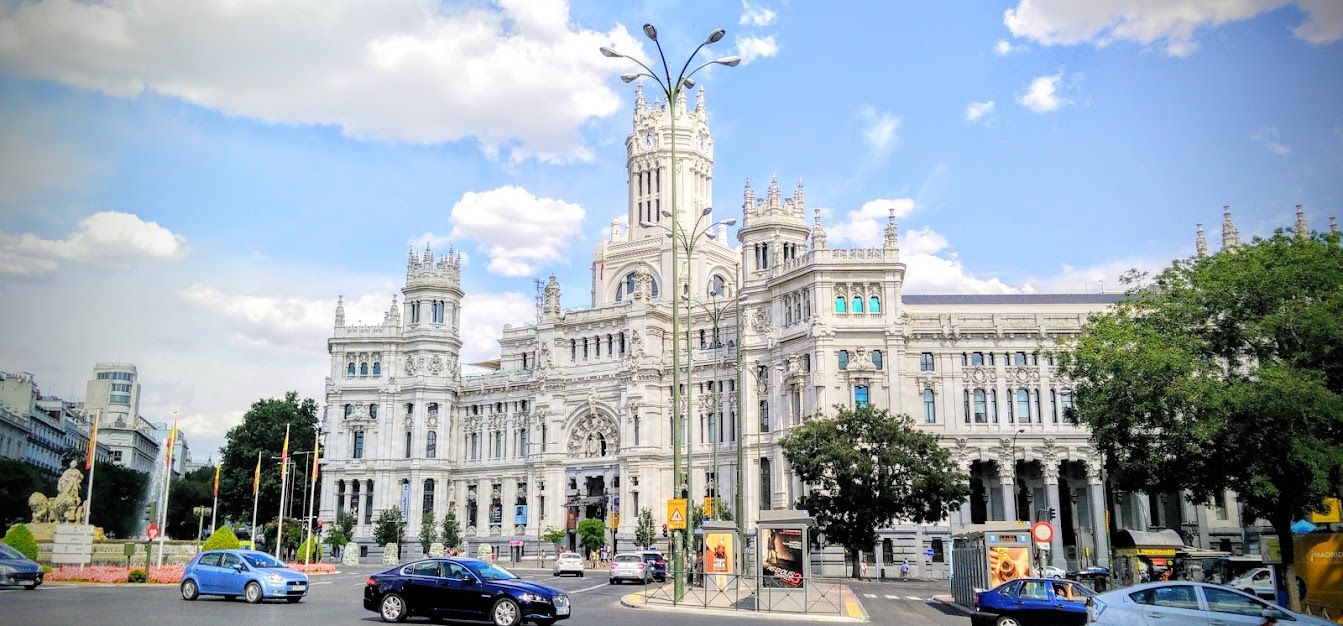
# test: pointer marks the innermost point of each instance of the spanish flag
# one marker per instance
(217, 465)
(93, 441)
(284, 455)
(172, 440)
(316, 454)
(256, 476)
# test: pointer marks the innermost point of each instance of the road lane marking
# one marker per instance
(914, 598)
(589, 588)
(869, 595)
(892, 597)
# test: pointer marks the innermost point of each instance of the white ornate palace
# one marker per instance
(574, 420)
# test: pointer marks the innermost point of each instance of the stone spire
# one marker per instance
(1200, 243)
(699, 100)
(639, 103)
(550, 307)
(797, 201)
(393, 317)
(772, 195)
(747, 199)
(817, 233)
(892, 233)
(428, 259)
(1230, 237)
(1302, 230)
(340, 311)
(1333, 226)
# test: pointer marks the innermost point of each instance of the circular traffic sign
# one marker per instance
(153, 531)
(1042, 532)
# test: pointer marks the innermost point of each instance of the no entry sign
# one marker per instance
(1042, 532)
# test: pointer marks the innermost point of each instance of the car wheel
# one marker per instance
(252, 593)
(392, 608)
(506, 613)
(34, 586)
(1007, 621)
(294, 600)
(190, 591)
(615, 582)
(580, 574)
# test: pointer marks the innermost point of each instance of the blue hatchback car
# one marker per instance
(1029, 601)
(253, 575)
(16, 569)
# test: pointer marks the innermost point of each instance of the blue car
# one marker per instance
(462, 589)
(253, 575)
(16, 569)
(1031, 601)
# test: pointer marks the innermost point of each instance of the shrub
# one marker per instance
(310, 545)
(136, 575)
(222, 539)
(22, 540)
(46, 569)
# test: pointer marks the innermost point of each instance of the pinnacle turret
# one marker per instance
(1201, 244)
(1230, 236)
(1333, 225)
(772, 196)
(892, 233)
(699, 100)
(817, 233)
(747, 199)
(1302, 230)
(340, 311)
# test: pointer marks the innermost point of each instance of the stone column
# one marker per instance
(1101, 533)
(1057, 557)
(1007, 483)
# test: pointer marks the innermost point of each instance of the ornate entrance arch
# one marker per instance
(594, 435)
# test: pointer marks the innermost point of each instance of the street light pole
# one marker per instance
(673, 89)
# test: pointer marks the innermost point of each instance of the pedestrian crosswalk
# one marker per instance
(873, 596)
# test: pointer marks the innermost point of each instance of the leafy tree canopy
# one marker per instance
(1223, 372)
(262, 431)
(428, 530)
(389, 528)
(195, 488)
(867, 468)
(644, 534)
(118, 500)
(18, 481)
(591, 534)
(452, 531)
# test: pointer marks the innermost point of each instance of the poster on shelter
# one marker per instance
(1008, 563)
(782, 564)
(718, 551)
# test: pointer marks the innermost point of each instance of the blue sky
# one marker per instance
(189, 186)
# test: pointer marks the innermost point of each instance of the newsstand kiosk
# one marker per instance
(987, 555)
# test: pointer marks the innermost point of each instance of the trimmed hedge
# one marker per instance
(222, 539)
(21, 539)
(310, 545)
(136, 575)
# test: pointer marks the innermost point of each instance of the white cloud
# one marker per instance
(267, 322)
(1042, 96)
(107, 239)
(752, 48)
(518, 77)
(1268, 137)
(866, 227)
(519, 232)
(976, 110)
(756, 15)
(880, 130)
(1004, 48)
(483, 318)
(1169, 22)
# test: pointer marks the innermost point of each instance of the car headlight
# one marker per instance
(274, 578)
(6, 569)
(533, 597)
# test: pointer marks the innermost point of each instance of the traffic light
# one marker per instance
(1052, 515)
(152, 512)
(664, 531)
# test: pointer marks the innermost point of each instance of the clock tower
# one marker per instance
(649, 153)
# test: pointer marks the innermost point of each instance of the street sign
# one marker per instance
(928, 553)
(1042, 532)
(153, 531)
(676, 513)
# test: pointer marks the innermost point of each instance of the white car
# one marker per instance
(569, 563)
(630, 567)
(1258, 582)
(1188, 603)
(1049, 571)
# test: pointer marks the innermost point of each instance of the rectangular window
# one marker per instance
(766, 486)
(1066, 406)
(981, 407)
(860, 396)
(122, 387)
(498, 445)
(926, 362)
(408, 444)
(938, 550)
(976, 358)
(1220, 502)
(764, 416)
(116, 456)
(118, 398)
(929, 407)
(358, 444)
(796, 398)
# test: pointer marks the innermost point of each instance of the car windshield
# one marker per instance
(257, 559)
(10, 553)
(494, 572)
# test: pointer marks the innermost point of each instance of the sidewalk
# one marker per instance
(945, 598)
(707, 602)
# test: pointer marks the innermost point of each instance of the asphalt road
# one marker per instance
(338, 599)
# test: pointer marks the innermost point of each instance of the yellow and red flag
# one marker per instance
(93, 441)
(316, 456)
(172, 440)
(256, 476)
(217, 466)
(284, 455)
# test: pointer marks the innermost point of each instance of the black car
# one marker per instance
(655, 561)
(17, 569)
(466, 589)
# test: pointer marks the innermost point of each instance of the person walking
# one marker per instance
(904, 568)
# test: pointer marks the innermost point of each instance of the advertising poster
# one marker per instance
(1008, 563)
(782, 564)
(718, 551)
(571, 522)
(1319, 566)
(520, 514)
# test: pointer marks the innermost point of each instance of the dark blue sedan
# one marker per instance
(16, 569)
(1032, 601)
(231, 573)
(467, 589)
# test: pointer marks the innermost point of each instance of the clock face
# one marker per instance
(648, 139)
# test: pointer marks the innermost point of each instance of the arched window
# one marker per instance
(993, 404)
(377, 368)
(843, 359)
(373, 411)
(874, 305)
(349, 371)
(1019, 358)
(981, 407)
(408, 444)
(431, 445)
(716, 285)
(976, 358)
(876, 359)
(363, 369)
(858, 304)
(929, 407)
(839, 305)
(349, 410)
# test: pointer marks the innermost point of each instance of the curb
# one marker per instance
(950, 602)
(632, 601)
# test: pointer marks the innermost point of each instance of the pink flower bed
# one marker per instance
(315, 568)
(168, 574)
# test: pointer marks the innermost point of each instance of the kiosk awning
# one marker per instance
(1138, 543)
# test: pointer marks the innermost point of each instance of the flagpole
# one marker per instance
(284, 484)
(255, 491)
(312, 496)
(167, 482)
(92, 463)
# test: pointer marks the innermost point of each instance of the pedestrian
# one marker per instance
(862, 571)
(904, 568)
(603, 556)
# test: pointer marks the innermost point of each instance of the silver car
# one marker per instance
(1188, 603)
(569, 563)
(630, 566)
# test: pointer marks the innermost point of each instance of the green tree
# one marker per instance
(428, 530)
(294, 534)
(118, 500)
(1223, 373)
(866, 469)
(644, 533)
(20, 538)
(555, 536)
(452, 531)
(262, 432)
(389, 528)
(591, 534)
(193, 489)
(345, 523)
(18, 482)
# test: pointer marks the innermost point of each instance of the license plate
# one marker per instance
(561, 610)
(300, 586)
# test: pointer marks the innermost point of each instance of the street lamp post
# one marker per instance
(715, 314)
(673, 89)
(201, 512)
